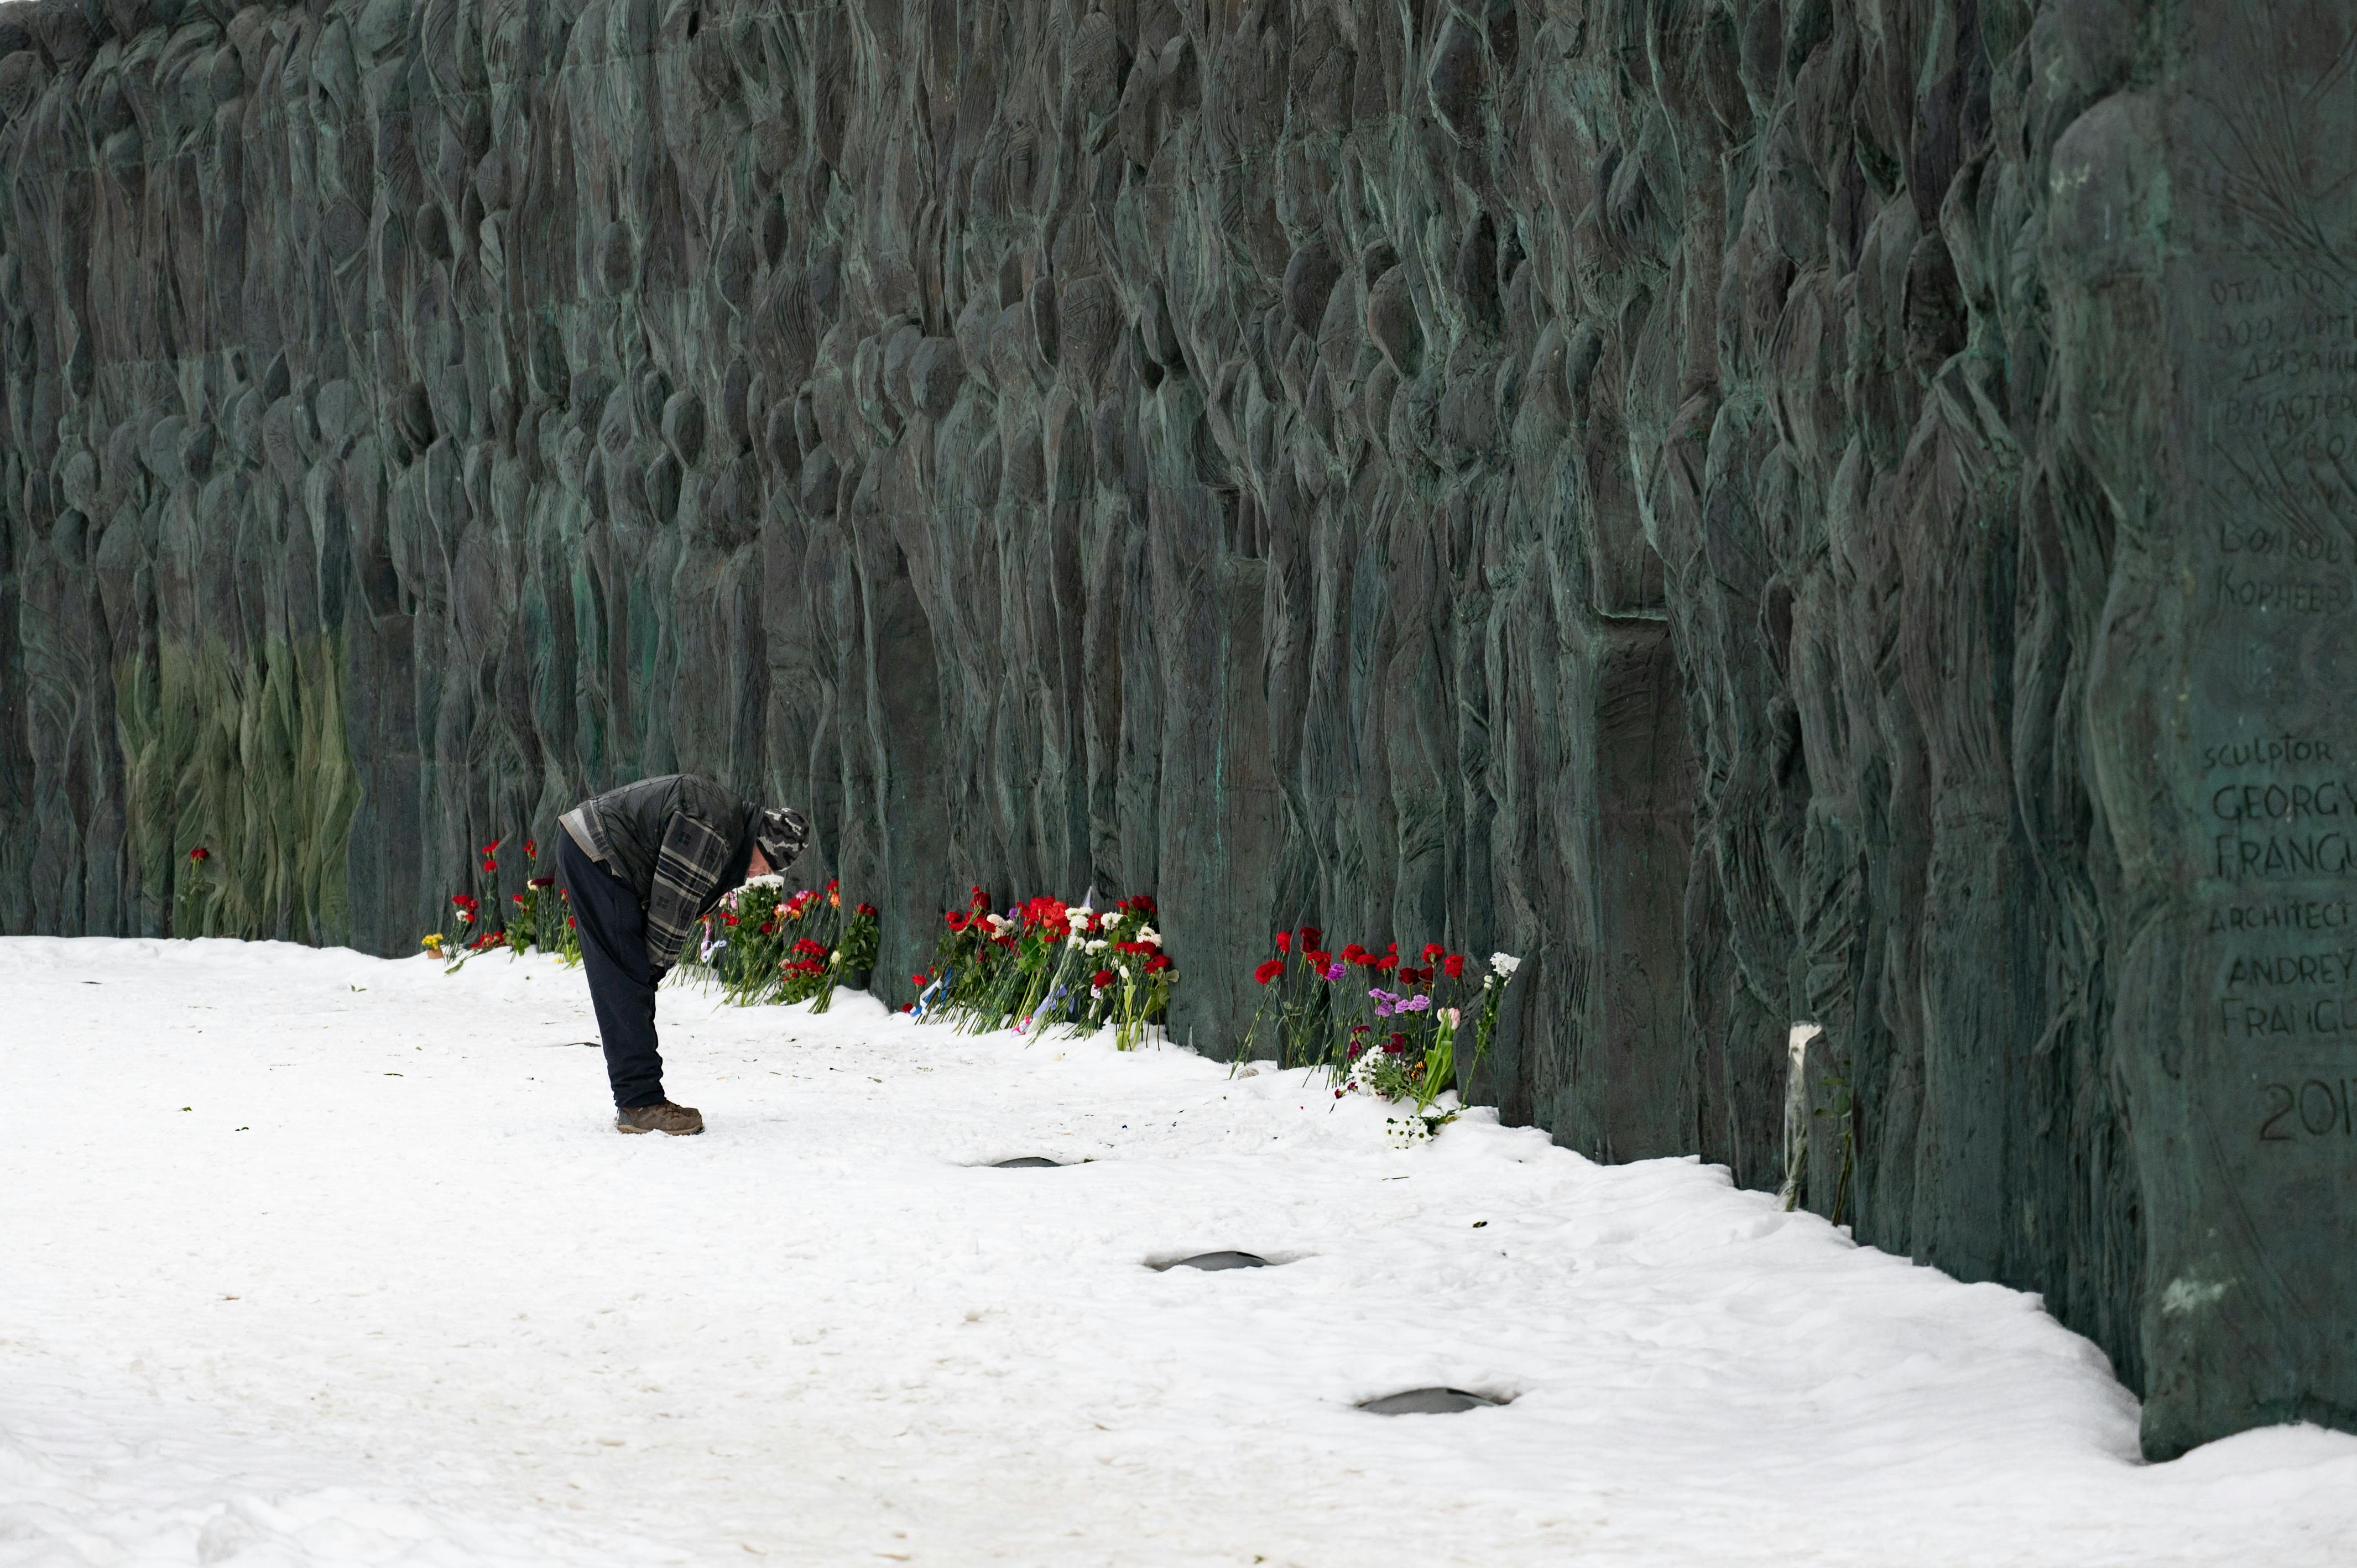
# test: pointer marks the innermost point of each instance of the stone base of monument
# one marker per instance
(1428, 1402)
(1211, 1263)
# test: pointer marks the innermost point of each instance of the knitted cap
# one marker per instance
(781, 833)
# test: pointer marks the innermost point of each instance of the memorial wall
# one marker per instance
(1778, 512)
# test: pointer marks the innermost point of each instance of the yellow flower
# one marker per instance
(433, 943)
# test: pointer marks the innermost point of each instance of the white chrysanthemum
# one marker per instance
(767, 879)
(1505, 964)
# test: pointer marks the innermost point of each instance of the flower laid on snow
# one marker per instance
(1026, 968)
(1311, 1018)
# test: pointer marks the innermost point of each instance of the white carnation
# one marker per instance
(1505, 964)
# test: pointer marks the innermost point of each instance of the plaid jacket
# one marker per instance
(681, 841)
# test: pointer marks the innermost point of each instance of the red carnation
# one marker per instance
(1311, 936)
(489, 864)
(1269, 971)
(1354, 953)
(490, 847)
(1388, 963)
(921, 981)
(1433, 951)
(1285, 942)
(542, 882)
(1158, 964)
(1454, 965)
(530, 849)
(1321, 960)
(200, 853)
(956, 921)
(568, 921)
(1102, 978)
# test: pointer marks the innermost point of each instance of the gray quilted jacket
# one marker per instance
(680, 841)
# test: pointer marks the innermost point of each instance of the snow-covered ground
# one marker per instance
(311, 1258)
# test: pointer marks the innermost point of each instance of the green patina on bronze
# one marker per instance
(1767, 508)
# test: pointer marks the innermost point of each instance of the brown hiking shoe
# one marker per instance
(660, 1117)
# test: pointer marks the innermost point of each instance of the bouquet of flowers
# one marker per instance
(1391, 1029)
(1045, 963)
(854, 956)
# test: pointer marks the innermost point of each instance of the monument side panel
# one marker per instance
(2242, 1047)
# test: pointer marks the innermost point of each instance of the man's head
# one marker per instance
(780, 836)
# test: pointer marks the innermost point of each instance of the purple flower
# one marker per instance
(1334, 970)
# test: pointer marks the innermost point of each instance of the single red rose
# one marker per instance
(1285, 942)
(1454, 965)
(1269, 971)
(1102, 978)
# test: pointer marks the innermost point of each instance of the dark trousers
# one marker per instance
(612, 924)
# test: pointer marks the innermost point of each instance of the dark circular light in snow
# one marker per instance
(1028, 1162)
(1428, 1402)
(1210, 1262)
